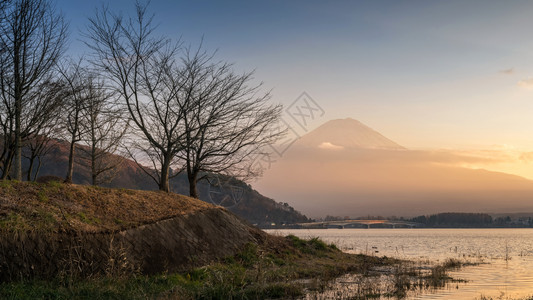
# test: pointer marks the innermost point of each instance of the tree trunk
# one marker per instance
(18, 140)
(163, 181)
(7, 167)
(18, 109)
(193, 190)
(38, 169)
(93, 163)
(30, 168)
(70, 171)
(18, 158)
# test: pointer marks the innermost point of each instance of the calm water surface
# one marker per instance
(507, 271)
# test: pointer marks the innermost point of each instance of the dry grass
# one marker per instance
(55, 206)
(277, 268)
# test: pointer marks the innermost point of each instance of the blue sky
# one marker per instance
(427, 74)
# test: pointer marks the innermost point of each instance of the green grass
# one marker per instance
(253, 273)
(54, 185)
(311, 246)
(7, 186)
(42, 196)
(139, 287)
(239, 277)
(88, 220)
(257, 272)
(12, 220)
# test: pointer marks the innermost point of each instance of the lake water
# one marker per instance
(507, 271)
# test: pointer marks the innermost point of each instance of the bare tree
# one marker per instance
(75, 78)
(32, 38)
(38, 143)
(6, 114)
(37, 147)
(104, 125)
(226, 119)
(7, 120)
(41, 108)
(135, 61)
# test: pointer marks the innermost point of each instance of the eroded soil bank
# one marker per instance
(53, 229)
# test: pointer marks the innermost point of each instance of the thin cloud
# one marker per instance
(507, 71)
(330, 146)
(526, 83)
(526, 157)
(468, 157)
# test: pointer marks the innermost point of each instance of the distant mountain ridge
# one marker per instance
(345, 168)
(238, 196)
(347, 133)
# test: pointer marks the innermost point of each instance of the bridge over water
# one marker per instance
(368, 223)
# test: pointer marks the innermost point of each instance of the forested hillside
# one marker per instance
(235, 195)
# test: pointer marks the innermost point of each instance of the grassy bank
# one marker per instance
(282, 268)
(54, 206)
(265, 267)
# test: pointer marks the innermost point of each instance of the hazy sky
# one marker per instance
(426, 74)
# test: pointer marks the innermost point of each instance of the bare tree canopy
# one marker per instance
(77, 83)
(38, 145)
(42, 106)
(190, 113)
(32, 38)
(104, 126)
(47, 105)
(227, 120)
(135, 62)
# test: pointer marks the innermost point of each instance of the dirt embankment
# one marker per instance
(53, 229)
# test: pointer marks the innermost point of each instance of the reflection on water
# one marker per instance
(507, 255)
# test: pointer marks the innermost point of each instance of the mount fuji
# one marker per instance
(345, 168)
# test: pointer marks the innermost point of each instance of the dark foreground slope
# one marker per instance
(62, 241)
(49, 229)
